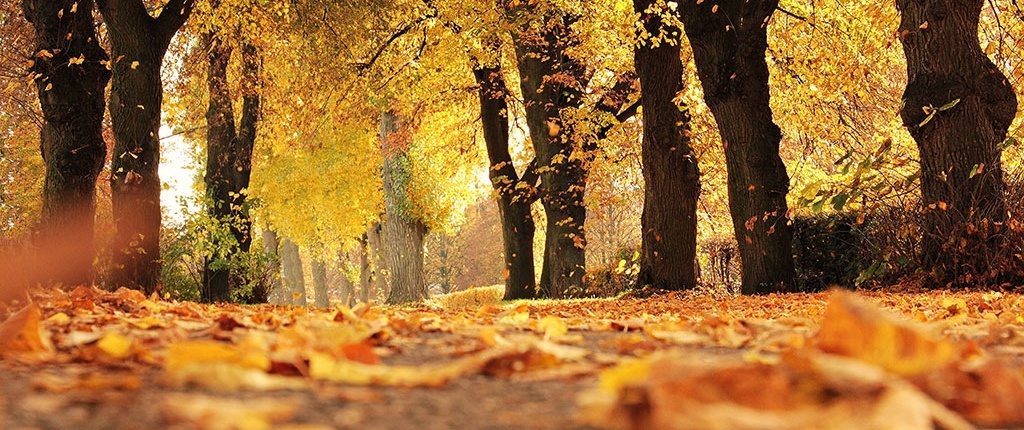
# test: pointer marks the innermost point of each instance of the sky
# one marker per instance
(177, 173)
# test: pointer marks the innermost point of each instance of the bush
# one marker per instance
(829, 249)
(609, 281)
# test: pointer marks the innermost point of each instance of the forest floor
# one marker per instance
(92, 359)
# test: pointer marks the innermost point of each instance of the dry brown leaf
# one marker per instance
(684, 391)
(854, 328)
(21, 332)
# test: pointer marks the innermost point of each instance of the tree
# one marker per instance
(291, 274)
(515, 194)
(958, 107)
(669, 220)
(138, 43)
(229, 156)
(319, 271)
(729, 40)
(401, 233)
(565, 123)
(272, 246)
(70, 70)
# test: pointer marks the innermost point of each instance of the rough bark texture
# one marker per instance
(671, 177)
(729, 40)
(561, 160)
(514, 194)
(319, 271)
(70, 75)
(291, 274)
(229, 157)
(961, 169)
(401, 233)
(272, 246)
(138, 43)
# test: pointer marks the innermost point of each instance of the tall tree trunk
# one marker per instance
(138, 42)
(291, 274)
(340, 272)
(272, 246)
(69, 69)
(542, 54)
(401, 233)
(671, 176)
(729, 40)
(229, 158)
(515, 194)
(319, 271)
(372, 264)
(957, 106)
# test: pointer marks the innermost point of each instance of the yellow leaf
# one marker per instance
(854, 328)
(115, 345)
(135, 65)
(183, 354)
(552, 326)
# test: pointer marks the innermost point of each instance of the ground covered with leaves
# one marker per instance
(92, 359)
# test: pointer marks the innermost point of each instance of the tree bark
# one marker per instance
(729, 40)
(401, 233)
(229, 159)
(319, 271)
(671, 176)
(514, 194)
(958, 106)
(272, 246)
(138, 43)
(372, 264)
(70, 72)
(291, 274)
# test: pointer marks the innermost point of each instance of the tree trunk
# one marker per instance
(272, 246)
(372, 264)
(229, 159)
(729, 40)
(138, 43)
(671, 176)
(340, 272)
(291, 274)
(401, 233)
(542, 54)
(319, 271)
(70, 73)
(957, 106)
(515, 194)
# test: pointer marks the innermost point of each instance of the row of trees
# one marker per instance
(406, 73)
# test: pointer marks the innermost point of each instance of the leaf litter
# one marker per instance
(680, 361)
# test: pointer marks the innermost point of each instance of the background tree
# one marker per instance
(958, 107)
(138, 43)
(671, 176)
(515, 193)
(20, 119)
(292, 279)
(401, 232)
(729, 40)
(229, 155)
(565, 123)
(70, 71)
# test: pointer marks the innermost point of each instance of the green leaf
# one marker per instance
(949, 105)
(839, 201)
(818, 205)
